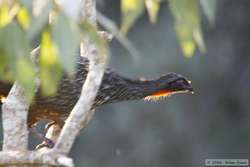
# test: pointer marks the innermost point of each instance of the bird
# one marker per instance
(114, 88)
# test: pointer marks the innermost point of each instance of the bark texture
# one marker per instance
(33, 158)
(14, 118)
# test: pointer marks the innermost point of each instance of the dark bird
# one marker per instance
(114, 88)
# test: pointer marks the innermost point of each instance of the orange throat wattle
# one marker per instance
(159, 94)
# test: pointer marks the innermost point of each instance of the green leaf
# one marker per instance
(5, 18)
(7, 12)
(14, 58)
(6, 74)
(89, 32)
(209, 8)
(187, 25)
(25, 76)
(66, 35)
(15, 44)
(131, 10)
(50, 68)
(40, 19)
(153, 7)
(23, 18)
(3, 60)
(186, 40)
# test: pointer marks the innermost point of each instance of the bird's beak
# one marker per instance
(188, 87)
(182, 85)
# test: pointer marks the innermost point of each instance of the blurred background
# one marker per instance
(185, 129)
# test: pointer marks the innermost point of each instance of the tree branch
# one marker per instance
(82, 113)
(14, 116)
(34, 158)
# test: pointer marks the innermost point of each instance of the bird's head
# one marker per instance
(169, 84)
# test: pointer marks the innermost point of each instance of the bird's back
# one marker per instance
(58, 106)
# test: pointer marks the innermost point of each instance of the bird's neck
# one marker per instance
(134, 90)
(142, 89)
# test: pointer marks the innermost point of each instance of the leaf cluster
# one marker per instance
(22, 22)
(186, 17)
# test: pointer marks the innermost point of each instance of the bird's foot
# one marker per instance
(46, 141)
(48, 125)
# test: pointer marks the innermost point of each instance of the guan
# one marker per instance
(114, 88)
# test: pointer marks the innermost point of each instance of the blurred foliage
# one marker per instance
(209, 8)
(23, 18)
(50, 69)
(131, 10)
(22, 22)
(153, 7)
(186, 16)
(187, 25)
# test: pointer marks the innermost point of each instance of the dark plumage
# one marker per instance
(114, 88)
